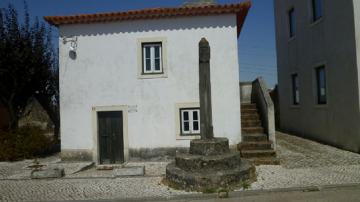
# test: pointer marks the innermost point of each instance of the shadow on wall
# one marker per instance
(152, 25)
(274, 94)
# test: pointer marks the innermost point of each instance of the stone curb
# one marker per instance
(237, 194)
(79, 178)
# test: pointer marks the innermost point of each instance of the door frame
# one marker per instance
(96, 149)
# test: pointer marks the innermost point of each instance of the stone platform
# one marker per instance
(209, 165)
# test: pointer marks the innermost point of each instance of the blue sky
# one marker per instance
(257, 53)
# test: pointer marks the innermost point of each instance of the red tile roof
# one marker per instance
(240, 9)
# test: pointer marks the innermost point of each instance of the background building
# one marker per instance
(317, 51)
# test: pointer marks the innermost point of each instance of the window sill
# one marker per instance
(321, 106)
(295, 106)
(318, 21)
(152, 76)
(291, 39)
(189, 137)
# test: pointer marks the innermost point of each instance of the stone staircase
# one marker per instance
(255, 145)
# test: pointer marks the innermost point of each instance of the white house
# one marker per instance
(129, 80)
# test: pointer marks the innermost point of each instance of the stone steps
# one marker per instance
(250, 123)
(257, 153)
(254, 137)
(248, 106)
(264, 161)
(255, 145)
(253, 130)
(249, 111)
(250, 117)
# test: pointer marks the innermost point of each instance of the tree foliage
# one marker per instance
(28, 66)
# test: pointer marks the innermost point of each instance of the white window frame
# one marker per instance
(140, 58)
(152, 58)
(191, 121)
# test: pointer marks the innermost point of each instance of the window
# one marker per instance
(152, 58)
(321, 85)
(292, 22)
(316, 9)
(295, 89)
(190, 121)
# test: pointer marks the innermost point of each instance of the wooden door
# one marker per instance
(111, 141)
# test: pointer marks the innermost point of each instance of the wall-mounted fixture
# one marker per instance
(73, 46)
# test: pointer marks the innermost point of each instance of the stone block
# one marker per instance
(202, 181)
(47, 173)
(129, 171)
(191, 162)
(216, 146)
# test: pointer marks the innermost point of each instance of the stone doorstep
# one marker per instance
(129, 171)
(47, 173)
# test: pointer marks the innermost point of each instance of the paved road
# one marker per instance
(346, 193)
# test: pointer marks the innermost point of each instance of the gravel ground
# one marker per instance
(303, 163)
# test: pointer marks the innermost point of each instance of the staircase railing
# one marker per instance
(261, 97)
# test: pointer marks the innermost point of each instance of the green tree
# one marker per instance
(28, 66)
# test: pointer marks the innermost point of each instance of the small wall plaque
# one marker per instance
(132, 108)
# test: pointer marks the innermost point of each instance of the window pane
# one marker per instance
(186, 126)
(148, 64)
(321, 85)
(295, 89)
(157, 51)
(196, 126)
(147, 51)
(292, 22)
(317, 9)
(186, 115)
(195, 115)
(157, 64)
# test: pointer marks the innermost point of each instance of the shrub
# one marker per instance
(25, 142)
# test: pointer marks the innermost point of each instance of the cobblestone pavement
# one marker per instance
(296, 152)
(84, 189)
(303, 163)
(307, 163)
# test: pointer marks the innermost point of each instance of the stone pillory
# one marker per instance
(206, 128)
(209, 164)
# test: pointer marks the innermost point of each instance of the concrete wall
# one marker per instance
(245, 92)
(329, 42)
(105, 74)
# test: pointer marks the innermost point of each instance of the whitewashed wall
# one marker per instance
(105, 74)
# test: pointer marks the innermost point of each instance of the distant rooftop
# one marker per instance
(191, 3)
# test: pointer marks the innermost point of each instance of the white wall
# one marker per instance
(105, 74)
